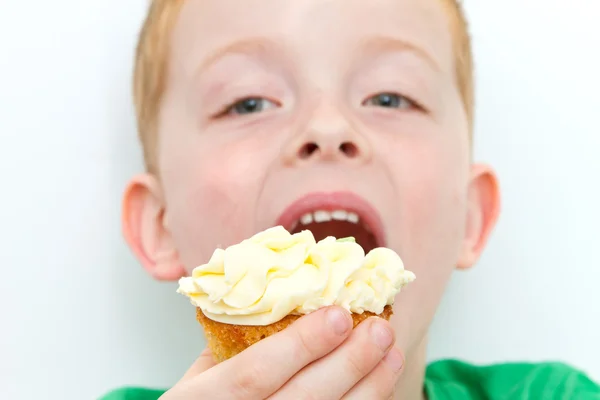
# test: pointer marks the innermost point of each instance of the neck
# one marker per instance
(410, 384)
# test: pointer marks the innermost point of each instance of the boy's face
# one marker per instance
(351, 105)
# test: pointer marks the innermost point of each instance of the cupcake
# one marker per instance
(260, 286)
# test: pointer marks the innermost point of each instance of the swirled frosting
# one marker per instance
(275, 273)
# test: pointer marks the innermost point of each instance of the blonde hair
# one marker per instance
(152, 54)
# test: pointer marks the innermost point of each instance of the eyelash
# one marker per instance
(399, 98)
(230, 109)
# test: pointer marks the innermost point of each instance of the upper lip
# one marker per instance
(332, 201)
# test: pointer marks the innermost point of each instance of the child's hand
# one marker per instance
(317, 357)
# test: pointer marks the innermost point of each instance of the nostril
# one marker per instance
(308, 150)
(349, 149)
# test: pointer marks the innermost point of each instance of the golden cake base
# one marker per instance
(227, 340)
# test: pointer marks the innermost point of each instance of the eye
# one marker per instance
(389, 100)
(250, 105)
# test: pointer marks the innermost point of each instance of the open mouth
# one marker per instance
(339, 214)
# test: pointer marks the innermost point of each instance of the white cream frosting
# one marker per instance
(274, 273)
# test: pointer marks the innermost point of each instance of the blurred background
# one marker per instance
(80, 317)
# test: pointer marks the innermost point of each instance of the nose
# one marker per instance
(327, 135)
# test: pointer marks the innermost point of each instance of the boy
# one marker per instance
(258, 115)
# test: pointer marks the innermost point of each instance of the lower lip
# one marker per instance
(334, 201)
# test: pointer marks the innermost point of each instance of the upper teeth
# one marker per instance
(324, 216)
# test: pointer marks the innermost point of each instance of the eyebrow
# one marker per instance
(390, 44)
(246, 46)
(261, 44)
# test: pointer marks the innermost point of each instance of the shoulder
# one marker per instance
(133, 393)
(509, 380)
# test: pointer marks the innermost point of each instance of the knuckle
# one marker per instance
(358, 362)
(384, 387)
(249, 381)
(304, 394)
(364, 355)
(303, 346)
(379, 384)
(367, 336)
(299, 391)
(309, 342)
(385, 382)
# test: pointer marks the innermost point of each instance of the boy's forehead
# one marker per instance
(205, 27)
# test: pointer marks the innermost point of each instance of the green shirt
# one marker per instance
(449, 379)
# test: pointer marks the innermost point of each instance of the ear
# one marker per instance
(483, 208)
(145, 229)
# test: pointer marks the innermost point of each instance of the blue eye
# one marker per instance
(250, 105)
(389, 100)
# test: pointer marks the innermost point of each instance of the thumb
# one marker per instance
(202, 364)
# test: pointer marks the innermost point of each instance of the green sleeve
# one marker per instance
(457, 380)
(449, 380)
(133, 394)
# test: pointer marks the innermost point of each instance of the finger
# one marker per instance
(263, 368)
(202, 364)
(381, 382)
(334, 375)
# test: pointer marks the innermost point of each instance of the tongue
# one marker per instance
(341, 229)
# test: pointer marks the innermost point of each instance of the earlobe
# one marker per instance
(483, 208)
(145, 231)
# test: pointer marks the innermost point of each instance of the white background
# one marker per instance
(78, 315)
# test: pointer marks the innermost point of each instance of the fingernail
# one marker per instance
(381, 334)
(338, 320)
(395, 359)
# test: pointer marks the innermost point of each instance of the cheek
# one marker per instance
(434, 207)
(430, 220)
(209, 195)
(432, 179)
